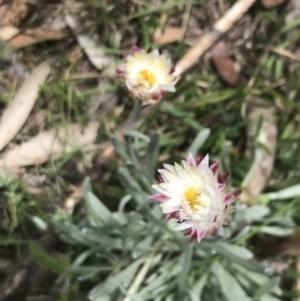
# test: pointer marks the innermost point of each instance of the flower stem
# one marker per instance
(135, 113)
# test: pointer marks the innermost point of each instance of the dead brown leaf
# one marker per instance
(170, 35)
(36, 35)
(13, 12)
(224, 64)
(238, 147)
(271, 3)
(18, 111)
(91, 46)
(49, 145)
(258, 113)
(8, 32)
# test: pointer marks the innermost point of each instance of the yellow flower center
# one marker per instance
(192, 195)
(147, 76)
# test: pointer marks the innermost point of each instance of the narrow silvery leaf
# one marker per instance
(276, 231)
(119, 148)
(268, 297)
(97, 209)
(256, 213)
(103, 298)
(87, 187)
(122, 278)
(152, 154)
(128, 181)
(39, 223)
(266, 288)
(290, 192)
(238, 251)
(199, 141)
(158, 281)
(123, 202)
(185, 261)
(73, 234)
(137, 134)
(198, 287)
(256, 278)
(229, 286)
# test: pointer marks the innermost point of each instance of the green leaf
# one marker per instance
(288, 193)
(173, 110)
(199, 141)
(258, 157)
(215, 97)
(198, 287)
(152, 154)
(194, 124)
(46, 261)
(72, 234)
(267, 287)
(6, 177)
(268, 297)
(103, 298)
(97, 210)
(159, 223)
(82, 257)
(137, 134)
(87, 187)
(159, 279)
(121, 279)
(185, 261)
(229, 286)
(39, 223)
(257, 278)
(278, 68)
(101, 237)
(245, 282)
(131, 185)
(161, 7)
(146, 34)
(256, 213)
(233, 251)
(242, 259)
(290, 25)
(143, 247)
(85, 272)
(276, 231)
(120, 149)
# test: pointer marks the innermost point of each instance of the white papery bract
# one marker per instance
(196, 195)
(147, 74)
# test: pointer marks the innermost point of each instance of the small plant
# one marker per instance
(134, 254)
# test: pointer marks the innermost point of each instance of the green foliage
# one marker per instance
(116, 249)
(46, 261)
(111, 247)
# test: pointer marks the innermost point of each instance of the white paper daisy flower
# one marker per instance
(195, 194)
(147, 74)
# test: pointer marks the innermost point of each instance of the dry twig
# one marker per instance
(206, 41)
